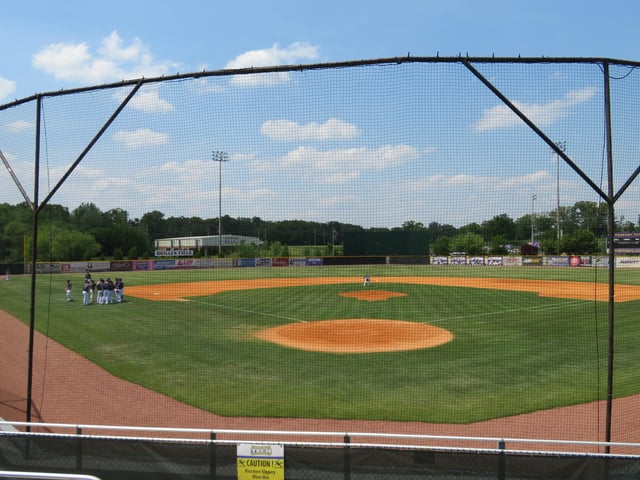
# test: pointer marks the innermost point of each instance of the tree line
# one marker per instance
(88, 233)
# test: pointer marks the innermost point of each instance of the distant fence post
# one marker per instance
(212, 456)
(347, 458)
(79, 448)
(501, 460)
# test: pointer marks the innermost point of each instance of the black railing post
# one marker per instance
(79, 449)
(501, 460)
(212, 455)
(347, 458)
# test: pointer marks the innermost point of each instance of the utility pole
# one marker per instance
(533, 199)
(219, 156)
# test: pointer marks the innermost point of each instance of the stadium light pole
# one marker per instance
(562, 146)
(219, 156)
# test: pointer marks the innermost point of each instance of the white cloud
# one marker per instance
(205, 85)
(535, 178)
(114, 61)
(19, 126)
(142, 137)
(338, 200)
(543, 114)
(148, 101)
(7, 87)
(274, 56)
(344, 165)
(332, 129)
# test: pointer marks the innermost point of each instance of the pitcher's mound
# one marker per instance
(356, 335)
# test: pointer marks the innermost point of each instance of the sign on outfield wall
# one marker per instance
(260, 461)
(628, 262)
(184, 252)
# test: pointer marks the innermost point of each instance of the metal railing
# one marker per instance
(125, 451)
(320, 439)
(46, 476)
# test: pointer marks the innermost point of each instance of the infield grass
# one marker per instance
(512, 352)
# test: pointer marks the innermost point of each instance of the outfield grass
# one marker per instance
(512, 352)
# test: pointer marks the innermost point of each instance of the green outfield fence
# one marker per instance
(428, 151)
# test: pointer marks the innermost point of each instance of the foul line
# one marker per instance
(511, 310)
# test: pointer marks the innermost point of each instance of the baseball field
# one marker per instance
(433, 344)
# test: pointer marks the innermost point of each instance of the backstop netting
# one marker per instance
(442, 227)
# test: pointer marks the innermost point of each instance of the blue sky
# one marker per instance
(46, 47)
(191, 35)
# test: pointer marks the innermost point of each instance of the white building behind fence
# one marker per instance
(181, 245)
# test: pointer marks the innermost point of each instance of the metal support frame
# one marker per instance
(609, 197)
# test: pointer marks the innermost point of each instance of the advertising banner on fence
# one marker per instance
(532, 261)
(185, 263)
(121, 265)
(46, 268)
(81, 267)
(203, 263)
(476, 261)
(99, 266)
(458, 260)
(556, 261)
(628, 262)
(512, 261)
(164, 264)
(223, 262)
(143, 265)
(574, 261)
(246, 262)
(495, 261)
(263, 262)
(586, 261)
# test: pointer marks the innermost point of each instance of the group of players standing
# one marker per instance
(104, 291)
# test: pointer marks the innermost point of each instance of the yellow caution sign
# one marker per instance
(260, 461)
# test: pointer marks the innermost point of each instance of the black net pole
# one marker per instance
(612, 258)
(34, 260)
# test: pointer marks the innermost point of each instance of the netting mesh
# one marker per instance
(313, 140)
(420, 146)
